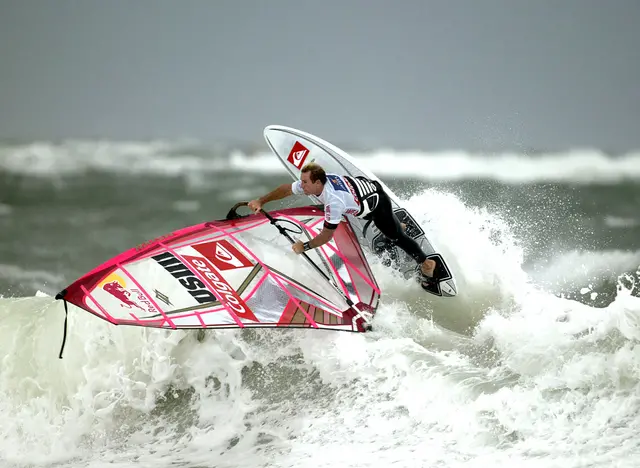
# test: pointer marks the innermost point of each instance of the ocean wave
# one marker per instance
(504, 372)
(159, 158)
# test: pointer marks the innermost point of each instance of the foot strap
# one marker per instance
(424, 278)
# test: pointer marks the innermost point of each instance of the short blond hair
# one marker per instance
(316, 172)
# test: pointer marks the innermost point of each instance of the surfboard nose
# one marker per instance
(271, 131)
(448, 288)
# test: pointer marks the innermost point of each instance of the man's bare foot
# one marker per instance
(428, 267)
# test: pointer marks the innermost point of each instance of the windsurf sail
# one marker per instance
(239, 272)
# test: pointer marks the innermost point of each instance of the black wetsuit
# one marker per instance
(378, 208)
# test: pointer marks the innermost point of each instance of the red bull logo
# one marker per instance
(117, 290)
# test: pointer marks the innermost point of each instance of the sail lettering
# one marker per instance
(185, 276)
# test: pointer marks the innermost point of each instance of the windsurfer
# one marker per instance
(358, 196)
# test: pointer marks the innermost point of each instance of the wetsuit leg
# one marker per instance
(389, 225)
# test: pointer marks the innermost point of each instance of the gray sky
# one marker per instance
(406, 73)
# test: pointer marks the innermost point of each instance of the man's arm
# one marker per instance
(325, 236)
(332, 217)
(282, 191)
(322, 238)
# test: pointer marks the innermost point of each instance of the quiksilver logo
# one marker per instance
(297, 156)
(224, 255)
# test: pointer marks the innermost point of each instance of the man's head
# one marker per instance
(313, 179)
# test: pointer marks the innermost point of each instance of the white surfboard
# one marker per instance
(295, 148)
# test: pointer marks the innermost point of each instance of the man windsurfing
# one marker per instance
(358, 196)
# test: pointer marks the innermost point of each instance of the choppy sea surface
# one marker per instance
(536, 362)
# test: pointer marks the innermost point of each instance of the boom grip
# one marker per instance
(233, 214)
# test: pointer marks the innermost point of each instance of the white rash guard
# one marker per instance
(343, 195)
